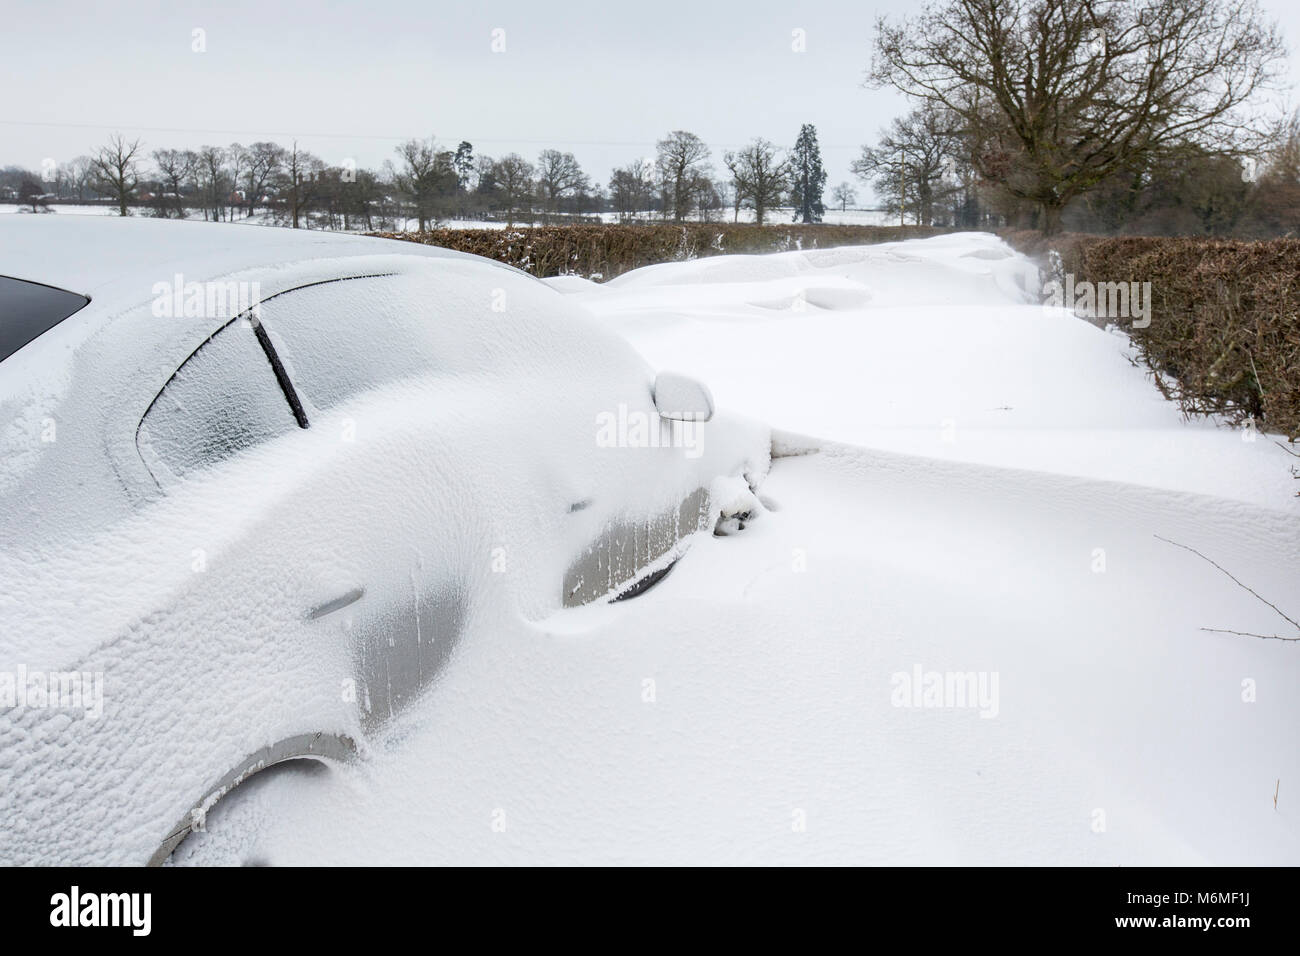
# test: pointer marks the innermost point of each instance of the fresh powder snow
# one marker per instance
(953, 629)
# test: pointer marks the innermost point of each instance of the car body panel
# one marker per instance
(318, 582)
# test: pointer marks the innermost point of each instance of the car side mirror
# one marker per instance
(682, 398)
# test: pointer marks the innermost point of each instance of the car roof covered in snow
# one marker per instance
(94, 255)
(95, 373)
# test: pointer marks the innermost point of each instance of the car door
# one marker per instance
(354, 574)
(341, 342)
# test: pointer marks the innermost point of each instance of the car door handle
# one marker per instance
(337, 604)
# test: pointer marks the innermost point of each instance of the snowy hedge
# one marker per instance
(1224, 332)
(605, 251)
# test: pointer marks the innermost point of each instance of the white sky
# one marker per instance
(348, 80)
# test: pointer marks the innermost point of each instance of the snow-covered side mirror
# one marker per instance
(682, 398)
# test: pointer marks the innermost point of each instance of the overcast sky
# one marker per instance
(350, 80)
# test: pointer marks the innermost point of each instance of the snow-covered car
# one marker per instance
(255, 482)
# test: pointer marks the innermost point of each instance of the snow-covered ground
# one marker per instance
(988, 486)
(937, 348)
(70, 209)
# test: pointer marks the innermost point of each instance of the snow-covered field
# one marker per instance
(71, 209)
(985, 494)
(261, 217)
(778, 217)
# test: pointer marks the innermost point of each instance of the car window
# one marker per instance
(340, 338)
(29, 309)
(223, 399)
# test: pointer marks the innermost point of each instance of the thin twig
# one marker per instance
(1262, 637)
(1283, 615)
(1255, 372)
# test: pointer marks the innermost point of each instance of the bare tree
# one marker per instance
(214, 182)
(358, 198)
(706, 196)
(559, 177)
(513, 176)
(115, 170)
(631, 189)
(427, 175)
(298, 182)
(682, 159)
(759, 176)
(237, 160)
(79, 173)
(264, 162)
(1277, 203)
(485, 185)
(842, 195)
(1059, 95)
(907, 166)
(1284, 155)
(175, 167)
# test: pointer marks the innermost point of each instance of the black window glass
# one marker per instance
(29, 309)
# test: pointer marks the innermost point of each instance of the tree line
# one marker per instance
(428, 183)
(1092, 115)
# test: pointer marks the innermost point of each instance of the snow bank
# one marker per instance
(996, 516)
(937, 347)
(748, 710)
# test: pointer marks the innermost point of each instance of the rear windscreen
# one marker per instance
(28, 309)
